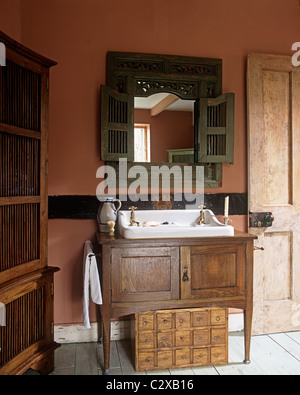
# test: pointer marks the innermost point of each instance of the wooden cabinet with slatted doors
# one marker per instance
(180, 338)
(26, 283)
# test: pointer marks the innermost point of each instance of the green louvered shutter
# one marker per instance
(117, 138)
(216, 129)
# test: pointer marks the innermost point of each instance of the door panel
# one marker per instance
(217, 271)
(145, 274)
(274, 185)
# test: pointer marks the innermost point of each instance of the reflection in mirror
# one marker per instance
(163, 123)
(142, 142)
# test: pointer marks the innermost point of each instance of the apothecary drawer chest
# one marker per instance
(178, 338)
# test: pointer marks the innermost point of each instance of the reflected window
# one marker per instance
(141, 142)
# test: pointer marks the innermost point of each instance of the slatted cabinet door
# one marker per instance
(23, 163)
(26, 283)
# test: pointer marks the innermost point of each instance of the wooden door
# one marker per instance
(212, 271)
(23, 162)
(145, 274)
(274, 186)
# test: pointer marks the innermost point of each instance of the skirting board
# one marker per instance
(120, 330)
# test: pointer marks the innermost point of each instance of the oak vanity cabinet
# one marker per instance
(161, 274)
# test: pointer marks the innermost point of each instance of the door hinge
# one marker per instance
(52, 328)
(52, 289)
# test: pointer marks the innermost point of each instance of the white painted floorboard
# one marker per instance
(274, 354)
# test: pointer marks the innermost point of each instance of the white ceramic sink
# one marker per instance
(171, 224)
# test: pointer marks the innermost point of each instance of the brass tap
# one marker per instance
(201, 216)
(132, 216)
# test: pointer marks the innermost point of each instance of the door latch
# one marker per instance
(185, 276)
(260, 219)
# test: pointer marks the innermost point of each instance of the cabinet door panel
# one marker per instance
(217, 271)
(144, 274)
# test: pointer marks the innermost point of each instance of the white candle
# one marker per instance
(226, 210)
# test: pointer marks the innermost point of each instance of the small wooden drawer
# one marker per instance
(218, 336)
(182, 338)
(200, 356)
(146, 360)
(183, 356)
(218, 317)
(164, 321)
(164, 340)
(218, 355)
(164, 359)
(146, 340)
(200, 318)
(183, 320)
(201, 337)
(146, 322)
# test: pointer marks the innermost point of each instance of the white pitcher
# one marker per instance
(107, 212)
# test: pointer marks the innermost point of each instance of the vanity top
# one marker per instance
(117, 239)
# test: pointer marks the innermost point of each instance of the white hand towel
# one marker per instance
(91, 282)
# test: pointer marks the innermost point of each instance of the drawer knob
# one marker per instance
(216, 355)
(217, 337)
(218, 318)
(181, 338)
(199, 338)
(148, 360)
(147, 341)
(145, 323)
(166, 358)
(181, 321)
(165, 321)
(199, 319)
(201, 355)
(183, 357)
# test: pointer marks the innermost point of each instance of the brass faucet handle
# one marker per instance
(132, 208)
(203, 206)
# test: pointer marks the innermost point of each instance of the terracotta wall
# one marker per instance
(78, 34)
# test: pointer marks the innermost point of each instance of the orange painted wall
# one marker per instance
(78, 34)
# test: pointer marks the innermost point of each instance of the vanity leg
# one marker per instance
(100, 325)
(247, 334)
(106, 346)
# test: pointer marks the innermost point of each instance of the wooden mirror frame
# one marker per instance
(190, 78)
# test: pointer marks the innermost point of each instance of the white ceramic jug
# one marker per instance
(107, 212)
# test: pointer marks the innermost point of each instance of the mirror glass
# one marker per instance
(164, 129)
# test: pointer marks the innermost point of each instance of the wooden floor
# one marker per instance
(275, 354)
